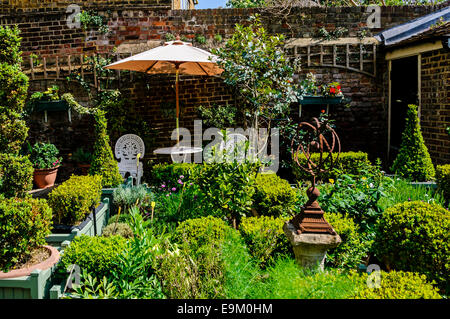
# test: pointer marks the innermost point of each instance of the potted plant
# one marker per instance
(47, 101)
(46, 162)
(83, 160)
(314, 93)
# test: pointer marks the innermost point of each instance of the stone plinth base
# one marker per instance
(310, 249)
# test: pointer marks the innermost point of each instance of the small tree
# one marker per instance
(413, 160)
(103, 162)
(255, 63)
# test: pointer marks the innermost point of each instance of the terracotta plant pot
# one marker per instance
(84, 168)
(45, 178)
(48, 263)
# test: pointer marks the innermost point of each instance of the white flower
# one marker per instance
(371, 185)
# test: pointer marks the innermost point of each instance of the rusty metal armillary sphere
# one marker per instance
(310, 219)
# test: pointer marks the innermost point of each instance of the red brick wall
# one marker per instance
(435, 104)
(361, 127)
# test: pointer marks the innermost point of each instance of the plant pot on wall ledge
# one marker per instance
(45, 178)
(44, 265)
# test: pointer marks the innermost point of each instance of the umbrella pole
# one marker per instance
(178, 104)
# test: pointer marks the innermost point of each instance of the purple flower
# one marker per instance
(167, 195)
(180, 182)
(181, 176)
(162, 186)
(174, 189)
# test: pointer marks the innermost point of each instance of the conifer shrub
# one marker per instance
(103, 162)
(24, 224)
(72, 200)
(413, 161)
(443, 180)
(273, 196)
(16, 175)
(413, 236)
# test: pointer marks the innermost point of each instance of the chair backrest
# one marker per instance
(127, 148)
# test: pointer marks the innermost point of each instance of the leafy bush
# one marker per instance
(349, 163)
(226, 189)
(122, 218)
(413, 160)
(120, 229)
(45, 156)
(167, 176)
(274, 196)
(97, 255)
(353, 248)
(24, 224)
(413, 236)
(125, 197)
(264, 237)
(72, 200)
(357, 196)
(399, 285)
(103, 162)
(16, 175)
(81, 156)
(443, 179)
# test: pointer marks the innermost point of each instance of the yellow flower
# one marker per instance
(331, 181)
(363, 178)
(153, 204)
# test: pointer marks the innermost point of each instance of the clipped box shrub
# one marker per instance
(169, 174)
(97, 255)
(353, 248)
(413, 161)
(397, 285)
(264, 237)
(16, 175)
(72, 200)
(443, 180)
(194, 234)
(24, 224)
(348, 163)
(273, 196)
(413, 236)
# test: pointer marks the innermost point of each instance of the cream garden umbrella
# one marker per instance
(174, 57)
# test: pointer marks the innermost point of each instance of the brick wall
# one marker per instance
(363, 126)
(435, 104)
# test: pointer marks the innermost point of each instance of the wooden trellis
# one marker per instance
(346, 53)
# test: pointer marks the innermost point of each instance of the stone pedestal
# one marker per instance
(310, 249)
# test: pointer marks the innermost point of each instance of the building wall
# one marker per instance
(435, 104)
(136, 25)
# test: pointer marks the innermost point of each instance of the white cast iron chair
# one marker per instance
(129, 150)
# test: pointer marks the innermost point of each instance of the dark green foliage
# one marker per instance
(122, 218)
(273, 196)
(413, 161)
(348, 163)
(81, 156)
(97, 255)
(103, 162)
(221, 117)
(413, 236)
(265, 238)
(72, 200)
(398, 285)
(45, 156)
(443, 180)
(16, 175)
(120, 229)
(352, 249)
(24, 224)
(13, 92)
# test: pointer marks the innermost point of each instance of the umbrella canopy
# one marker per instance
(174, 57)
(169, 58)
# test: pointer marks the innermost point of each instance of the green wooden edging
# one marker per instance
(35, 286)
(321, 100)
(102, 217)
